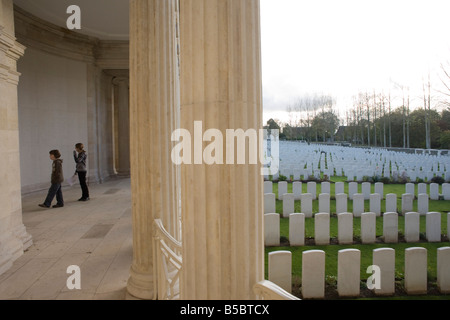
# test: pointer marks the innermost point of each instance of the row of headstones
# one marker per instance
(413, 175)
(293, 154)
(345, 228)
(355, 162)
(356, 175)
(349, 264)
(306, 200)
(336, 154)
(353, 188)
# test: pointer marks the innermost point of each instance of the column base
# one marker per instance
(10, 250)
(140, 285)
(5, 262)
(123, 173)
(24, 236)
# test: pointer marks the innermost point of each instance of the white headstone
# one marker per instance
(280, 269)
(375, 203)
(368, 227)
(410, 188)
(391, 202)
(365, 189)
(407, 202)
(339, 188)
(379, 188)
(269, 203)
(313, 274)
(443, 270)
(390, 227)
(359, 175)
(297, 173)
(416, 271)
(422, 188)
(352, 189)
(434, 191)
(412, 226)
(358, 204)
(446, 191)
(288, 204)
(297, 190)
(282, 189)
(272, 229)
(268, 187)
(384, 258)
(433, 226)
(345, 228)
(348, 282)
(297, 229)
(341, 203)
(422, 203)
(322, 228)
(306, 204)
(324, 202)
(413, 175)
(325, 187)
(311, 187)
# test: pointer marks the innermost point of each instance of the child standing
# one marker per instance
(56, 180)
(81, 170)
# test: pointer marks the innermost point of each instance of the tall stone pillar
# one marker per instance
(154, 114)
(121, 93)
(13, 236)
(222, 205)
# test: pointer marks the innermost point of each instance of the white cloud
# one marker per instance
(344, 46)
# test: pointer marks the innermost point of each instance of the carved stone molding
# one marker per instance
(45, 36)
(10, 52)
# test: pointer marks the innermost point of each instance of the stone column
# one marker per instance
(13, 237)
(100, 135)
(154, 113)
(121, 93)
(222, 205)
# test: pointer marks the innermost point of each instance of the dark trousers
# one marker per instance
(84, 187)
(55, 190)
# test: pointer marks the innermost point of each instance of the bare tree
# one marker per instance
(308, 105)
(374, 118)
(389, 118)
(427, 108)
(445, 80)
(367, 104)
(383, 111)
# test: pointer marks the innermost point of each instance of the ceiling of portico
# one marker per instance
(103, 19)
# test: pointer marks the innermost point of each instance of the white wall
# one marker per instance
(52, 114)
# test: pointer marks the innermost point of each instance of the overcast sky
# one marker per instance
(341, 47)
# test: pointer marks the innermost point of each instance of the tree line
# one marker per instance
(376, 119)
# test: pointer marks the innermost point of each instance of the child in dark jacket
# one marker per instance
(56, 180)
(81, 170)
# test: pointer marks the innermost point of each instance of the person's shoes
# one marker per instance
(43, 206)
(83, 199)
(58, 206)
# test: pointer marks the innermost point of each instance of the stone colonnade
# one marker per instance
(13, 237)
(192, 60)
(24, 37)
(218, 70)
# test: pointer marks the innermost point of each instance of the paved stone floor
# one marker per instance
(94, 235)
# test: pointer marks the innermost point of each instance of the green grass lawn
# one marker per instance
(367, 249)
